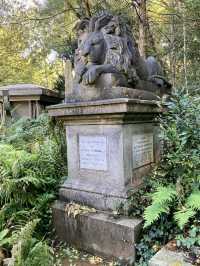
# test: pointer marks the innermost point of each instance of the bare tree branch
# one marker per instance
(75, 10)
(38, 18)
(87, 7)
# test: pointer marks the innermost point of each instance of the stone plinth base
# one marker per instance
(98, 233)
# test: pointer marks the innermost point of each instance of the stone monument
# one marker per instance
(25, 100)
(112, 136)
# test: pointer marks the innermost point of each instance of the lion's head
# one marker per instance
(106, 45)
(104, 40)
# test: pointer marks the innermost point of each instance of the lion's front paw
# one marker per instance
(90, 76)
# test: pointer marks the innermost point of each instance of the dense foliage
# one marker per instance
(27, 250)
(178, 175)
(172, 193)
(32, 164)
(35, 35)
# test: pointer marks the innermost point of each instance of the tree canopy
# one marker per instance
(35, 36)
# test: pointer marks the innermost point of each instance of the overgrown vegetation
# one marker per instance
(172, 194)
(32, 163)
(179, 172)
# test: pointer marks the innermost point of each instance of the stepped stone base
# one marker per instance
(98, 233)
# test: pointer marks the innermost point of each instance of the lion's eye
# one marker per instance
(95, 42)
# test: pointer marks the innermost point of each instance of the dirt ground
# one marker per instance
(92, 261)
(80, 263)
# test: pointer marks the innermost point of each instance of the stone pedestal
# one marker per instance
(111, 145)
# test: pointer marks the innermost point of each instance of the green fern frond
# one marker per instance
(40, 254)
(27, 251)
(29, 180)
(153, 212)
(164, 194)
(182, 217)
(193, 200)
(191, 207)
(4, 239)
(3, 234)
(26, 232)
(161, 200)
(42, 200)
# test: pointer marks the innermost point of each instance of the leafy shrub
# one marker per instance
(28, 251)
(173, 188)
(32, 164)
(59, 84)
(153, 238)
(191, 237)
(177, 179)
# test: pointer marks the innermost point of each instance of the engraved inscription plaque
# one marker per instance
(142, 149)
(93, 152)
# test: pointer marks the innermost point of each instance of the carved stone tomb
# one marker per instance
(112, 136)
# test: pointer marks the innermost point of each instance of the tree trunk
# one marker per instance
(141, 10)
(87, 8)
(182, 9)
(172, 44)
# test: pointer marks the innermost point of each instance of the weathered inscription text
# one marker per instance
(93, 152)
(142, 149)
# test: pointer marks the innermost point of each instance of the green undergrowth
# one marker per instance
(32, 164)
(169, 202)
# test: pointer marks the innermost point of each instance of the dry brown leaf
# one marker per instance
(74, 209)
(95, 260)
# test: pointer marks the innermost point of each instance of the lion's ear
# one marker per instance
(81, 24)
(92, 24)
(102, 21)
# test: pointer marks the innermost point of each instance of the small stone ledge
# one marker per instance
(166, 257)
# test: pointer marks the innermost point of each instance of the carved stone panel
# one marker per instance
(93, 152)
(143, 150)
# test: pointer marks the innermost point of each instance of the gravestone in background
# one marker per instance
(112, 136)
(25, 100)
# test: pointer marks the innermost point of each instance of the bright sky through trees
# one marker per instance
(32, 3)
(29, 3)
(35, 34)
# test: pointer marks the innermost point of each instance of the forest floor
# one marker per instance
(74, 257)
(80, 262)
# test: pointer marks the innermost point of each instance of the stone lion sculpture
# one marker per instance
(106, 45)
